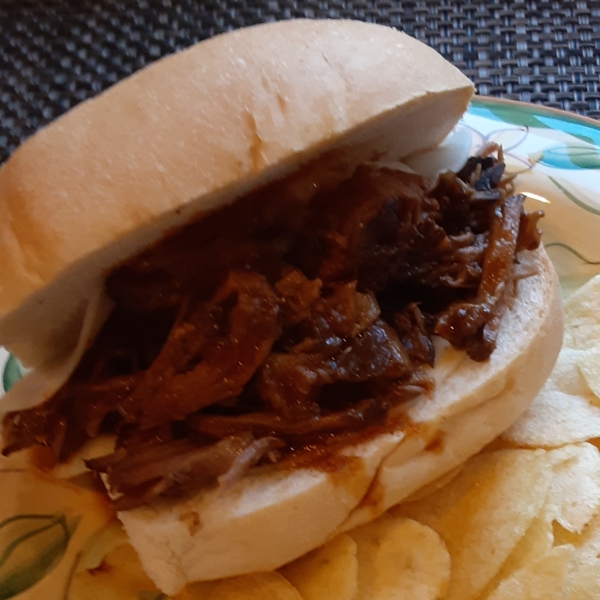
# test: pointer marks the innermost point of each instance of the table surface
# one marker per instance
(56, 53)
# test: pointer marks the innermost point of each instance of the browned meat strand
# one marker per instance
(174, 467)
(290, 383)
(473, 325)
(412, 329)
(212, 352)
(272, 326)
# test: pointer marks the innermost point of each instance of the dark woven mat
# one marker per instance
(55, 53)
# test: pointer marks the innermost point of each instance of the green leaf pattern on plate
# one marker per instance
(584, 156)
(561, 153)
(574, 252)
(31, 545)
(533, 116)
(573, 198)
(12, 372)
(508, 113)
(568, 157)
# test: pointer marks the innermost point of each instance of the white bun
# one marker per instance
(192, 132)
(269, 519)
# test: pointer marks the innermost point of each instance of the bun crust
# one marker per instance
(193, 132)
(269, 519)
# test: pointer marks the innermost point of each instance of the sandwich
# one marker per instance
(224, 273)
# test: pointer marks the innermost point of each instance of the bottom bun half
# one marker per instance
(271, 518)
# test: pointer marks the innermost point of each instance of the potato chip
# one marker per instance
(588, 362)
(574, 496)
(399, 559)
(256, 586)
(588, 542)
(119, 577)
(543, 579)
(584, 582)
(563, 536)
(484, 512)
(567, 410)
(566, 375)
(329, 572)
(99, 545)
(582, 324)
(435, 485)
(536, 542)
(555, 419)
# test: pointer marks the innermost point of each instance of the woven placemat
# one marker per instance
(56, 53)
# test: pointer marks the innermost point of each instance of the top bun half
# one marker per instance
(193, 132)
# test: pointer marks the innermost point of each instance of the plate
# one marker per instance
(50, 532)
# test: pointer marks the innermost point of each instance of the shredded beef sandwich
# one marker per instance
(246, 319)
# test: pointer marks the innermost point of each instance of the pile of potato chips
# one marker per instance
(521, 520)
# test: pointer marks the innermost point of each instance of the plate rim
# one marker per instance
(585, 120)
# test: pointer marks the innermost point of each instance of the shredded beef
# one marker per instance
(411, 327)
(473, 326)
(211, 353)
(244, 461)
(367, 411)
(290, 382)
(168, 469)
(296, 295)
(270, 327)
